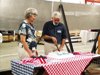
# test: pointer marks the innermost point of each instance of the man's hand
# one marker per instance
(60, 48)
(38, 39)
(54, 40)
(62, 44)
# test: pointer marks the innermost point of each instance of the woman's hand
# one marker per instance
(34, 53)
(31, 54)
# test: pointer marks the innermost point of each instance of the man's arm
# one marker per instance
(64, 36)
(47, 37)
(62, 44)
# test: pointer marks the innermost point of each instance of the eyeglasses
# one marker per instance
(57, 19)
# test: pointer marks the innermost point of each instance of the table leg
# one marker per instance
(40, 71)
(84, 72)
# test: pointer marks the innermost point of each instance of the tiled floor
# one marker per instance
(8, 51)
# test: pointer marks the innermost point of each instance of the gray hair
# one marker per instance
(56, 14)
(31, 11)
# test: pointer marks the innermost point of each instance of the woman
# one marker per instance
(27, 45)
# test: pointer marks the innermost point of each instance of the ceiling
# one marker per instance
(92, 1)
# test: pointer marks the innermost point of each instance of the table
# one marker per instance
(68, 66)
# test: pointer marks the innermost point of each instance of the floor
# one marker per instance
(8, 51)
(6, 73)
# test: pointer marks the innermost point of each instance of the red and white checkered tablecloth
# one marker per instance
(68, 66)
(74, 65)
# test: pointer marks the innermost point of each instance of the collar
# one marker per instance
(25, 21)
(30, 25)
(55, 24)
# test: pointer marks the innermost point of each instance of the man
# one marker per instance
(54, 34)
(27, 45)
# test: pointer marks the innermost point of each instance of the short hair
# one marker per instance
(56, 14)
(31, 11)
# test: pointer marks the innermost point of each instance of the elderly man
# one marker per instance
(54, 34)
(27, 45)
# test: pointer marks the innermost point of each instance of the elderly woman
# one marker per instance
(27, 45)
(54, 34)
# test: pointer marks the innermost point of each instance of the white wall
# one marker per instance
(70, 1)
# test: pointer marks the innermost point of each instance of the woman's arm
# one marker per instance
(25, 45)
